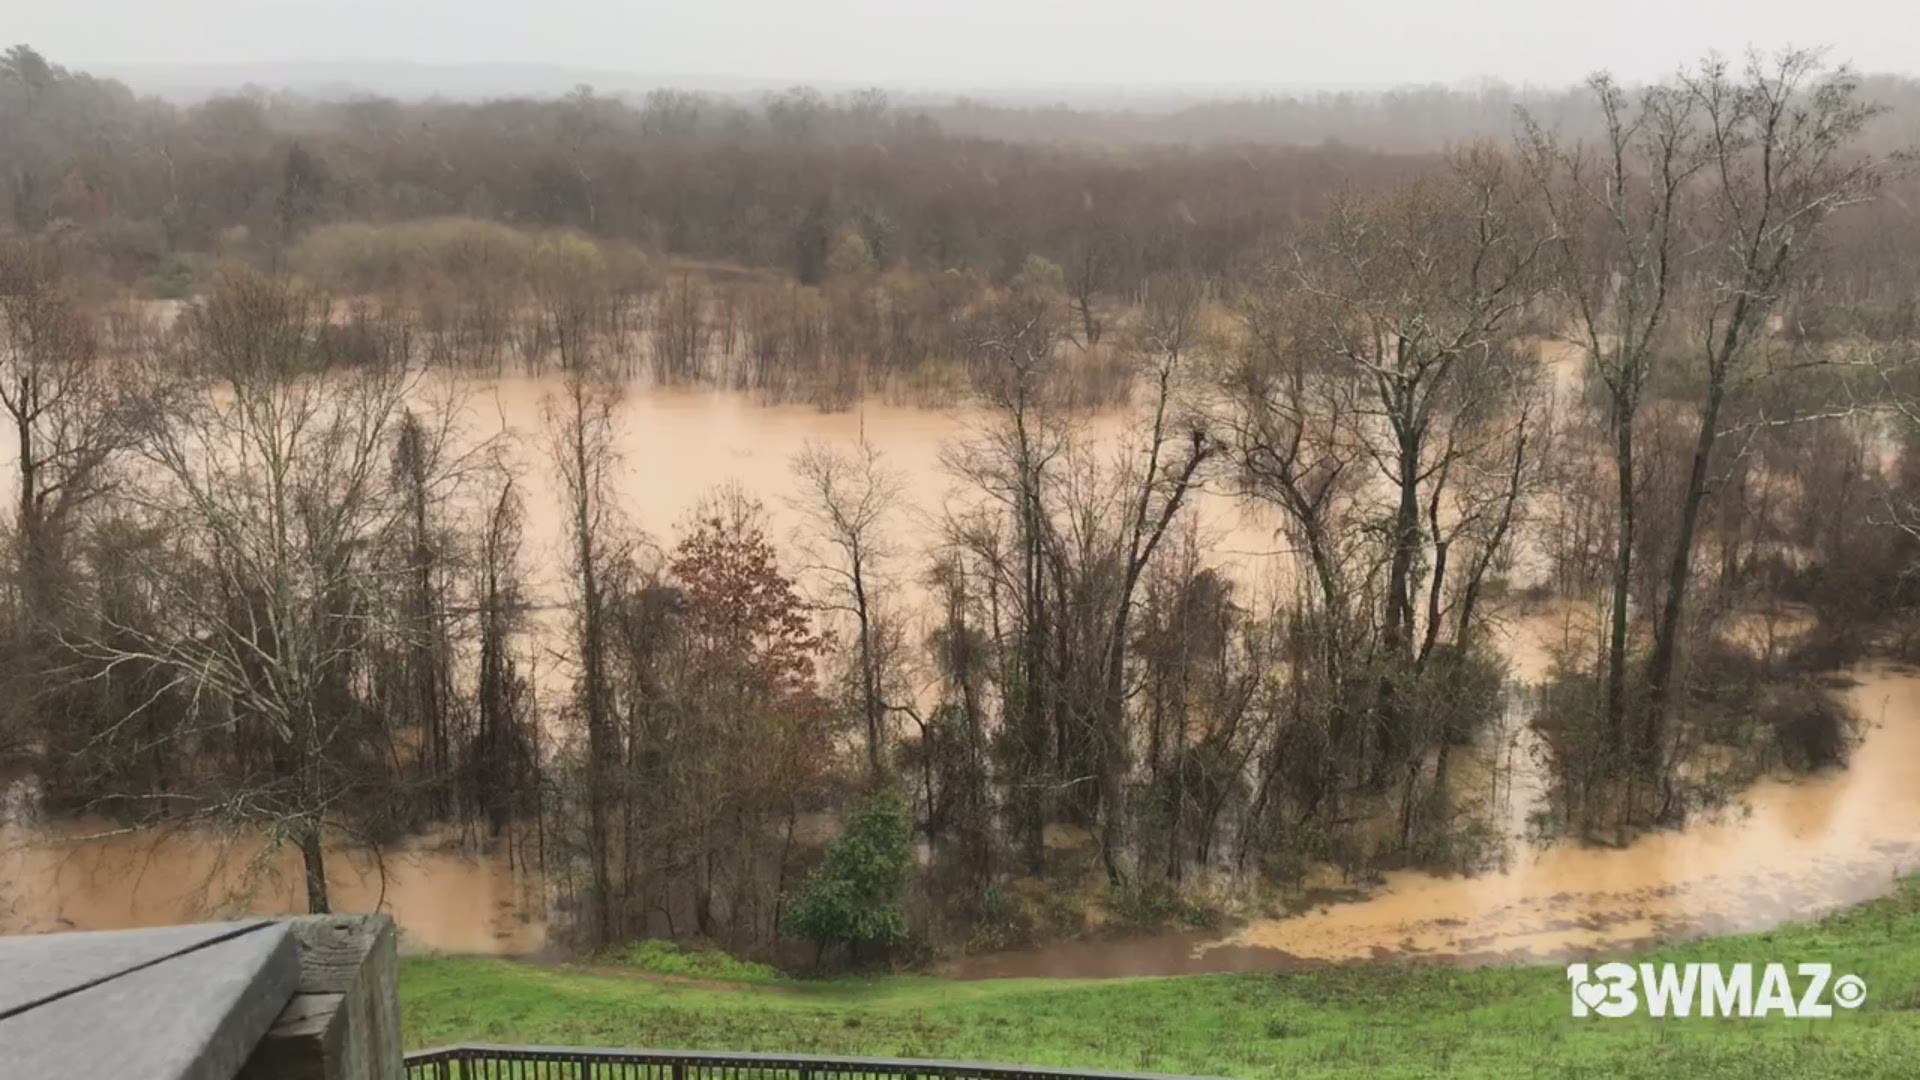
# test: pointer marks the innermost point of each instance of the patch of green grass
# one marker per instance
(1379, 1020)
(678, 961)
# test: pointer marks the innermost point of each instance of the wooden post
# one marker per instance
(344, 1020)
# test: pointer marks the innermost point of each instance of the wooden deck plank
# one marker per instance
(177, 1003)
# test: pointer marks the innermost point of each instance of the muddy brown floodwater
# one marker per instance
(679, 446)
(1790, 850)
(1787, 851)
(85, 875)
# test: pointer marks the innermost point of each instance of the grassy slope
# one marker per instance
(1376, 1021)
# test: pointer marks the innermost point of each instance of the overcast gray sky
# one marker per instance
(1285, 43)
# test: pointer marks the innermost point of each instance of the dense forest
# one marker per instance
(1642, 351)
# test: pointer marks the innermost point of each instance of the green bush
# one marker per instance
(856, 896)
(680, 960)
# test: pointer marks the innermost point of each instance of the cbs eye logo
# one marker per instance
(1849, 991)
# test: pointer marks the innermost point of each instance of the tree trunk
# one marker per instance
(1032, 820)
(314, 860)
(594, 688)
(1398, 633)
(1666, 636)
(1622, 575)
(869, 676)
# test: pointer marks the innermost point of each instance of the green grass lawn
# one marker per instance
(1403, 1020)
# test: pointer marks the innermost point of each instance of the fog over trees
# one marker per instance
(1640, 354)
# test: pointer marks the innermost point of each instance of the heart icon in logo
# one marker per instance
(1592, 993)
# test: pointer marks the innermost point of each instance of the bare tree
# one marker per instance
(504, 762)
(1780, 156)
(70, 410)
(1176, 447)
(71, 413)
(271, 472)
(1286, 420)
(847, 500)
(1675, 240)
(1412, 289)
(1011, 464)
(680, 330)
(422, 478)
(1619, 212)
(581, 431)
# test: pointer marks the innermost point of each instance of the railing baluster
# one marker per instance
(480, 1062)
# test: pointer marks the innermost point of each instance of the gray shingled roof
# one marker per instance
(173, 1003)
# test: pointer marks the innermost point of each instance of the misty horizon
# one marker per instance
(1069, 52)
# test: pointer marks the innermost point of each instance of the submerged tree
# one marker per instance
(1780, 150)
(1675, 241)
(848, 500)
(581, 430)
(503, 764)
(72, 414)
(71, 411)
(270, 472)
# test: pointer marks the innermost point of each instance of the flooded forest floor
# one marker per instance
(1787, 848)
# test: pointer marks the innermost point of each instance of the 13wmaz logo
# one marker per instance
(1616, 990)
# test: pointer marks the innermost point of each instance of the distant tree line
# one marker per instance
(153, 184)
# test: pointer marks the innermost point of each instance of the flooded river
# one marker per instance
(1787, 850)
(84, 875)
(680, 446)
